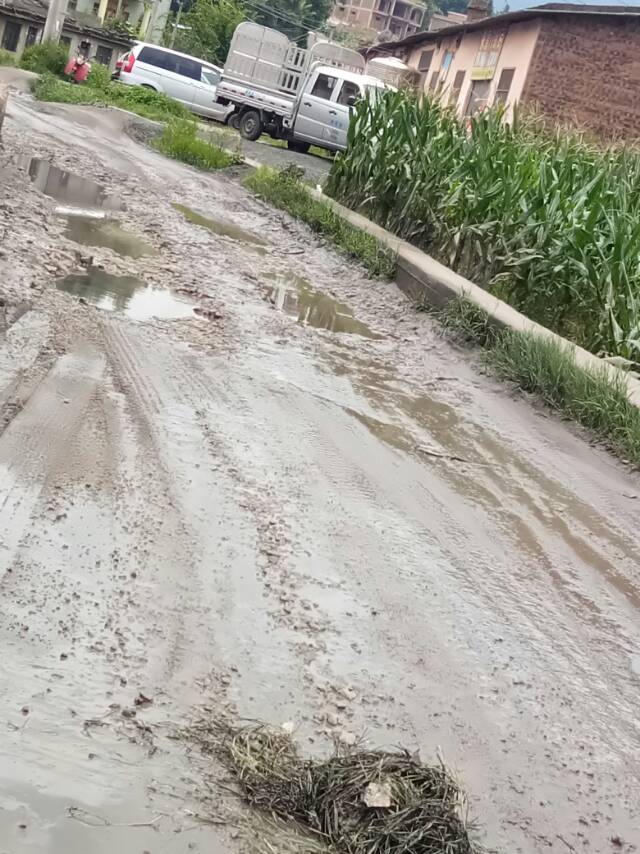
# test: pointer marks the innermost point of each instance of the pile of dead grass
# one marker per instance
(357, 801)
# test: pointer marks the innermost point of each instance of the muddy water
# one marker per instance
(127, 295)
(106, 233)
(223, 227)
(295, 296)
(66, 187)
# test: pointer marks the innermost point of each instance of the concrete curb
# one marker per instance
(422, 277)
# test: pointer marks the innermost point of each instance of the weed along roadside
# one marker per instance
(569, 379)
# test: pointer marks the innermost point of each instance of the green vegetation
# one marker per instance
(597, 400)
(7, 58)
(136, 99)
(286, 191)
(180, 140)
(542, 219)
(209, 27)
(45, 57)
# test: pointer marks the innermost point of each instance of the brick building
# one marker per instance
(577, 63)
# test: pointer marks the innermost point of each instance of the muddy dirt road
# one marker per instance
(236, 474)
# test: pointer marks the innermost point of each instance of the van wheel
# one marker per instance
(300, 147)
(251, 125)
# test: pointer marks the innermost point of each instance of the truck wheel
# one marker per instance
(300, 147)
(251, 125)
(234, 121)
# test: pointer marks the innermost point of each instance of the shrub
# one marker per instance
(7, 58)
(99, 76)
(45, 57)
(181, 141)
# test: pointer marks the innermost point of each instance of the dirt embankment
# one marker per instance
(296, 503)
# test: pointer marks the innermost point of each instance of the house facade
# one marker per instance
(397, 18)
(22, 25)
(577, 64)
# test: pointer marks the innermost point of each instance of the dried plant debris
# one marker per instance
(357, 801)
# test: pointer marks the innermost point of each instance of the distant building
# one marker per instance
(577, 63)
(86, 25)
(397, 18)
(438, 21)
(22, 22)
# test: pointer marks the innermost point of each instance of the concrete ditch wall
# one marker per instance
(423, 278)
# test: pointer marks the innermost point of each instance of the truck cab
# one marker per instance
(324, 110)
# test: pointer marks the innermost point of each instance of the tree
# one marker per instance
(293, 17)
(208, 28)
(452, 6)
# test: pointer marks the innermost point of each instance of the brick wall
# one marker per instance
(588, 72)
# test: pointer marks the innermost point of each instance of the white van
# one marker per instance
(189, 80)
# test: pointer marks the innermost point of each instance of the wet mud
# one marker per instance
(248, 516)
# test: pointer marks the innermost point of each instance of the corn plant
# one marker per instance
(544, 219)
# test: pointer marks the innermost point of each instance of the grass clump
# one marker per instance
(6, 57)
(144, 102)
(180, 140)
(285, 190)
(46, 57)
(356, 801)
(541, 217)
(598, 400)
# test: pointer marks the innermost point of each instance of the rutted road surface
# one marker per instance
(353, 530)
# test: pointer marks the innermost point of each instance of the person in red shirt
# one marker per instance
(78, 68)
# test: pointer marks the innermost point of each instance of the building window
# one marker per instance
(434, 80)
(425, 60)
(478, 96)
(85, 48)
(104, 54)
(66, 41)
(458, 80)
(504, 86)
(32, 36)
(72, 5)
(11, 35)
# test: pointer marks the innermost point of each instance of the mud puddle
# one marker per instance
(127, 295)
(294, 296)
(66, 187)
(107, 234)
(223, 227)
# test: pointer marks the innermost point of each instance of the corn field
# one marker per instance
(545, 220)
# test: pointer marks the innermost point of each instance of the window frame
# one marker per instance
(358, 94)
(334, 88)
(500, 90)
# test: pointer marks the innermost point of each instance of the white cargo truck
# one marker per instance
(301, 95)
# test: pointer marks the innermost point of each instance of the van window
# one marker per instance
(153, 56)
(183, 66)
(349, 90)
(324, 86)
(210, 76)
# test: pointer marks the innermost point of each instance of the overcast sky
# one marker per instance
(528, 4)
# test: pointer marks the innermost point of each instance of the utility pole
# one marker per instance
(55, 20)
(175, 23)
